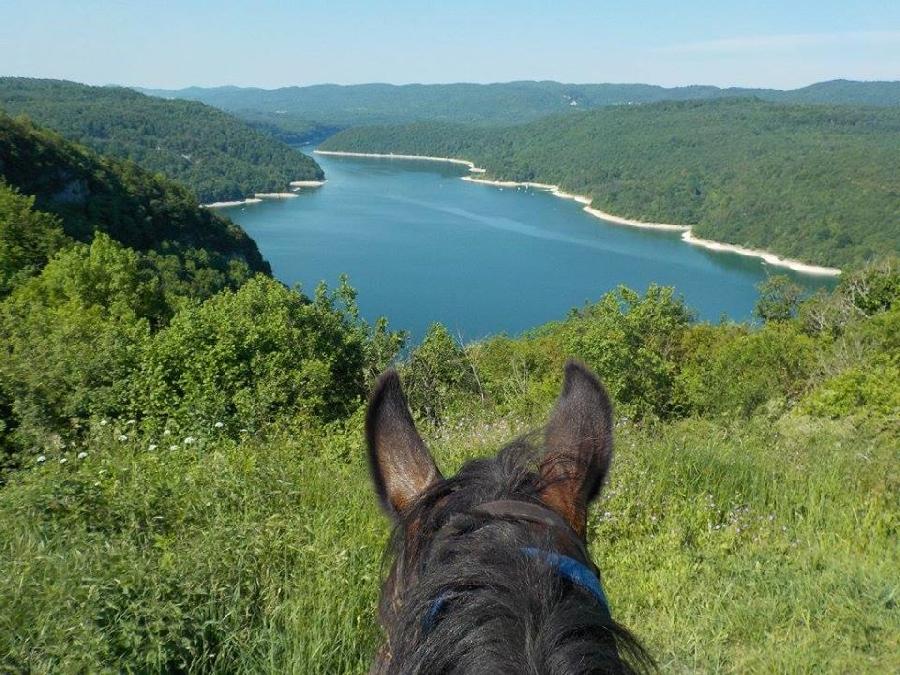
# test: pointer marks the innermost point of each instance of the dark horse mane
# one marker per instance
(486, 607)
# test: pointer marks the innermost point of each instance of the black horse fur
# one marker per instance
(460, 597)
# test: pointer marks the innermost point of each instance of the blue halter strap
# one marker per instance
(576, 572)
(570, 569)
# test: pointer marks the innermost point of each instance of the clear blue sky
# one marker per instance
(783, 43)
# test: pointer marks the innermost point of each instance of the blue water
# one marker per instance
(420, 246)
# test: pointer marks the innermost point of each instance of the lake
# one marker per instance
(420, 245)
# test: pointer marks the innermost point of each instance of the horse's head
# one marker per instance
(490, 570)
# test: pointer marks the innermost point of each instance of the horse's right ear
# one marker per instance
(401, 466)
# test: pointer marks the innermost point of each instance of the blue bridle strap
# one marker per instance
(568, 568)
(576, 572)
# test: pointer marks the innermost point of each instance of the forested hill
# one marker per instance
(817, 183)
(214, 154)
(136, 208)
(502, 103)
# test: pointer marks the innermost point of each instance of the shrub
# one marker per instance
(437, 371)
(735, 370)
(248, 357)
(632, 342)
(779, 299)
(72, 337)
(28, 238)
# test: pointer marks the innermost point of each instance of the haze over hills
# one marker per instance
(817, 183)
(215, 155)
(501, 103)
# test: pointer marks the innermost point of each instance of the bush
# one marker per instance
(438, 370)
(248, 357)
(779, 299)
(28, 238)
(735, 370)
(519, 375)
(72, 337)
(632, 342)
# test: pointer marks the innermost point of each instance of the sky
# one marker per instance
(783, 44)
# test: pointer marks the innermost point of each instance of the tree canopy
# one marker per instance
(818, 183)
(213, 154)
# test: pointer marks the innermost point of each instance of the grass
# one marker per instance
(760, 546)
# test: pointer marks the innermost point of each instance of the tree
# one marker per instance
(779, 299)
(251, 357)
(72, 337)
(632, 341)
(437, 370)
(28, 238)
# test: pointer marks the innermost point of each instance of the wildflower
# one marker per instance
(123, 437)
(173, 447)
(63, 460)
(130, 422)
(82, 454)
(151, 447)
(189, 440)
(219, 425)
(103, 423)
(41, 459)
(166, 432)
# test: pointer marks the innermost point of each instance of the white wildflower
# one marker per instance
(219, 425)
(82, 454)
(189, 440)
(151, 447)
(167, 432)
(130, 422)
(123, 437)
(63, 460)
(103, 423)
(41, 459)
(173, 447)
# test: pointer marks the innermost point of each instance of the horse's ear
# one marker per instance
(401, 466)
(578, 442)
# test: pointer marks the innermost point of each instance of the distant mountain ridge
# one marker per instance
(501, 103)
(211, 152)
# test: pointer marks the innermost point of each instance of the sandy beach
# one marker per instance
(222, 205)
(687, 235)
(375, 155)
(296, 186)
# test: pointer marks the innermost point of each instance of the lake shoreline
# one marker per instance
(295, 185)
(687, 235)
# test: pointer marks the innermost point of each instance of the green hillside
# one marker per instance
(817, 183)
(91, 193)
(215, 155)
(501, 103)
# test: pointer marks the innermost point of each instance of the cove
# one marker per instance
(420, 245)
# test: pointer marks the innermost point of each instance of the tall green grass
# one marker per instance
(760, 546)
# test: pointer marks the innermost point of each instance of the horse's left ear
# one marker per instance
(401, 466)
(578, 442)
